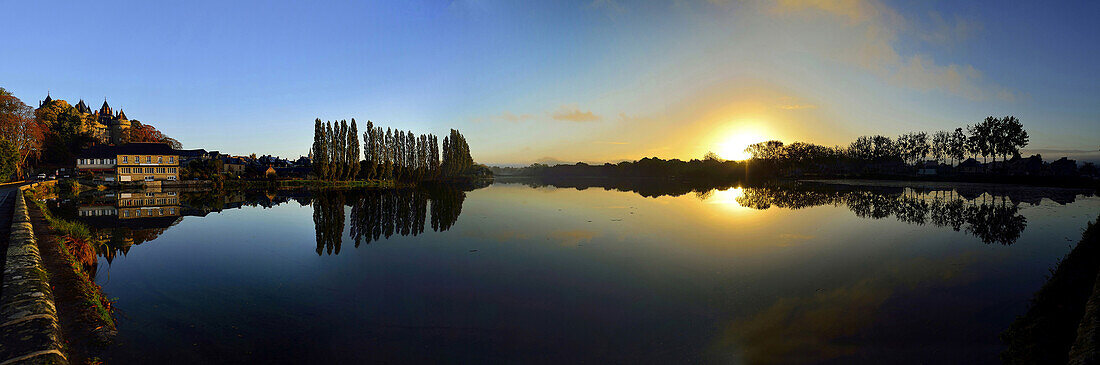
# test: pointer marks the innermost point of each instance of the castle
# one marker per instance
(104, 125)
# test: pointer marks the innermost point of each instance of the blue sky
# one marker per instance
(571, 80)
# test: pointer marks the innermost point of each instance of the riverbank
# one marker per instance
(69, 255)
(1046, 333)
(30, 330)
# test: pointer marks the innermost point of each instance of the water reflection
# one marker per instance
(124, 219)
(380, 214)
(993, 219)
(990, 213)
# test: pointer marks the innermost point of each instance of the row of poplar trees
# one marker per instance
(386, 154)
(335, 155)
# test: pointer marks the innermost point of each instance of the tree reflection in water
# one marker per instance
(375, 214)
(380, 214)
(993, 219)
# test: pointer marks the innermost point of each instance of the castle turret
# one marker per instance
(82, 108)
(45, 102)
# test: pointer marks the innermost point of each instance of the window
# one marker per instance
(160, 159)
(148, 170)
(125, 159)
(148, 159)
(172, 159)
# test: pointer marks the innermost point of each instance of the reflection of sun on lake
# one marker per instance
(726, 198)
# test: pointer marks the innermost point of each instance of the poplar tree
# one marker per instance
(388, 148)
(369, 150)
(330, 170)
(353, 150)
(320, 155)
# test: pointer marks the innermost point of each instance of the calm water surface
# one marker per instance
(536, 273)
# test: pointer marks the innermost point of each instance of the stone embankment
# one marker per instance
(29, 328)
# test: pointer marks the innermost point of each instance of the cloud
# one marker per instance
(552, 161)
(505, 116)
(854, 11)
(875, 48)
(948, 32)
(573, 114)
(797, 106)
(511, 117)
(610, 7)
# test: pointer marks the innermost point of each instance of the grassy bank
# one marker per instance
(1046, 332)
(78, 250)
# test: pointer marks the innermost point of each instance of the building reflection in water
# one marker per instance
(121, 220)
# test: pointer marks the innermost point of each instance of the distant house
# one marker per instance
(233, 165)
(186, 156)
(1064, 167)
(270, 172)
(970, 166)
(928, 168)
(1030, 166)
(144, 161)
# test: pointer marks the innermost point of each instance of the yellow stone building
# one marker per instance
(144, 161)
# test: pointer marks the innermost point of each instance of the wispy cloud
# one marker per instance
(505, 116)
(797, 106)
(610, 7)
(573, 114)
(512, 117)
(950, 31)
(876, 48)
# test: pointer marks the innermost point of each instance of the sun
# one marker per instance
(733, 146)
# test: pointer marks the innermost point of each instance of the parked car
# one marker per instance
(41, 176)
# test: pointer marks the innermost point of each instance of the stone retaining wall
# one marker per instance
(29, 328)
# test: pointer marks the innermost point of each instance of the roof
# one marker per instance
(134, 148)
(192, 153)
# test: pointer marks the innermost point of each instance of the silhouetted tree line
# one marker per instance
(991, 219)
(335, 151)
(992, 137)
(649, 188)
(707, 169)
(867, 155)
(388, 154)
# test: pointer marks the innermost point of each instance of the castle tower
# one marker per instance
(81, 107)
(117, 125)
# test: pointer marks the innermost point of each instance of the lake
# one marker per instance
(570, 272)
